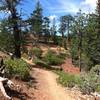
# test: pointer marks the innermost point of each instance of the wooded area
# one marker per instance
(78, 35)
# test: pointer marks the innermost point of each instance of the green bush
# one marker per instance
(87, 82)
(96, 70)
(68, 80)
(52, 59)
(17, 67)
(95, 75)
(37, 52)
(97, 88)
(41, 63)
(91, 81)
(62, 55)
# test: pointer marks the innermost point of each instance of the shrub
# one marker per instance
(88, 85)
(52, 59)
(17, 67)
(68, 80)
(41, 63)
(97, 88)
(62, 55)
(37, 52)
(91, 81)
(86, 88)
(87, 82)
(95, 70)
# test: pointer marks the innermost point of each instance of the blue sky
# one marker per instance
(56, 8)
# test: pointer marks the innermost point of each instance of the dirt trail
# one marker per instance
(48, 89)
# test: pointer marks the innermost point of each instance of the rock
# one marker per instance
(96, 95)
(56, 67)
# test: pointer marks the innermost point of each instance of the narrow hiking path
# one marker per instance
(47, 86)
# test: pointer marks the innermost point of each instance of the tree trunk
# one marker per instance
(80, 49)
(17, 42)
(16, 30)
(79, 57)
(68, 37)
(63, 40)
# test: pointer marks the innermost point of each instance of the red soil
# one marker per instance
(69, 67)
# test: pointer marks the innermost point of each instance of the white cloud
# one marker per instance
(90, 2)
(89, 5)
(68, 6)
(4, 14)
(65, 6)
(52, 17)
(73, 7)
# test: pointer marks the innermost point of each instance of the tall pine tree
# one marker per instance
(46, 30)
(97, 44)
(10, 5)
(37, 20)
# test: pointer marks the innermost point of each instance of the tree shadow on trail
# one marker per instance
(16, 94)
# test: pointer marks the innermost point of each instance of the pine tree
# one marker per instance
(63, 29)
(46, 28)
(37, 20)
(96, 58)
(69, 21)
(10, 5)
(53, 31)
(6, 38)
(78, 31)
